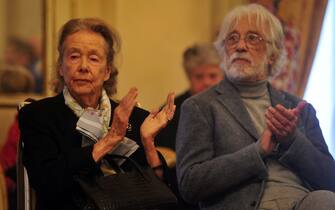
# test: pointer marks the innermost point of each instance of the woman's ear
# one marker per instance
(107, 73)
(60, 71)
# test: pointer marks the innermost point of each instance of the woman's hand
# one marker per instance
(122, 113)
(119, 125)
(158, 120)
(151, 126)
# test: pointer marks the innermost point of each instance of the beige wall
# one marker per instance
(154, 34)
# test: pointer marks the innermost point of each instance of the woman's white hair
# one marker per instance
(273, 32)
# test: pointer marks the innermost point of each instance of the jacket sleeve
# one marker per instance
(308, 155)
(200, 172)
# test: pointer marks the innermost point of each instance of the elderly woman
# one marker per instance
(71, 133)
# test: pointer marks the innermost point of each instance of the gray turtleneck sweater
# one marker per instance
(283, 189)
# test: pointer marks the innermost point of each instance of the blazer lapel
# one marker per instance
(227, 96)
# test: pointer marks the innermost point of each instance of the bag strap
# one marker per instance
(133, 162)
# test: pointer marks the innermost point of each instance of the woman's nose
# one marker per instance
(84, 64)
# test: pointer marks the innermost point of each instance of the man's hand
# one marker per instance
(282, 122)
(266, 143)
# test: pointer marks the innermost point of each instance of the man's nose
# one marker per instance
(241, 45)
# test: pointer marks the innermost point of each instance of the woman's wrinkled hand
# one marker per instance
(119, 125)
(151, 126)
(158, 119)
(122, 113)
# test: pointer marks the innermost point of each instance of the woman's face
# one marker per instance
(84, 67)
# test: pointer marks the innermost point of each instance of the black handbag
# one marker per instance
(132, 190)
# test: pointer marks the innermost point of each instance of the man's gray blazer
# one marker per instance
(218, 163)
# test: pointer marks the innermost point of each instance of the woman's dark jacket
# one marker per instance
(53, 154)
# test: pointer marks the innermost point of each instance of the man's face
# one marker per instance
(84, 65)
(246, 60)
(203, 77)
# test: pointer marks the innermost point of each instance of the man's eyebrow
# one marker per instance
(254, 32)
(233, 32)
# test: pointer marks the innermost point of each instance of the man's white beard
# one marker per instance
(247, 72)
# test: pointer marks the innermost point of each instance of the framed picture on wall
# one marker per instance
(22, 54)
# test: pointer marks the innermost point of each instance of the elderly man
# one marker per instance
(244, 145)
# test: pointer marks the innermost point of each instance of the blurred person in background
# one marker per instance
(201, 63)
(16, 79)
(19, 52)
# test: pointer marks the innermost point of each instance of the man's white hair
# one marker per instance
(264, 20)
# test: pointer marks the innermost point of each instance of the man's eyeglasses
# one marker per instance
(252, 40)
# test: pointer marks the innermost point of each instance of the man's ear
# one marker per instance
(272, 59)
